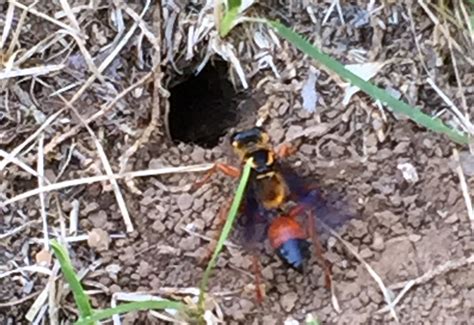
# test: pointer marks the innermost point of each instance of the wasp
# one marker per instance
(272, 186)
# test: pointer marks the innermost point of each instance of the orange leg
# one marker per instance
(221, 167)
(296, 211)
(318, 248)
(258, 289)
(221, 219)
(320, 251)
(286, 150)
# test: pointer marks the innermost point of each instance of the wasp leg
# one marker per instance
(258, 287)
(218, 167)
(320, 251)
(318, 248)
(286, 150)
(221, 218)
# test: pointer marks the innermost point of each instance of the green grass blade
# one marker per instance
(231, 15)
(225, 231)
(128, 307)
(80, 297)
(434, 124)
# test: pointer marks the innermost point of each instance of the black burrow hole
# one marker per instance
(204, 106)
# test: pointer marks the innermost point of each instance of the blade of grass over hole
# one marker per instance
(225, 231)
(128, 307)
(230, 16)
(434, 124)
(80, 297)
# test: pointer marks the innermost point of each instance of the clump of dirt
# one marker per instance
(406, 228)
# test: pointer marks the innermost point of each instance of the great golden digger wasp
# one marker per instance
(285, 204)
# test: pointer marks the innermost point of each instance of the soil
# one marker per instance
(403, 227)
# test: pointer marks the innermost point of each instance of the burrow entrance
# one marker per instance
(204, 107)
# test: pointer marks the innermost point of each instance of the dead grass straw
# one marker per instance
(387, 293)
(101, 178)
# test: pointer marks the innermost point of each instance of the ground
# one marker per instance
(406, 225)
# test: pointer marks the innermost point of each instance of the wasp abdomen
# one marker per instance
(288, 238)
(294, 252)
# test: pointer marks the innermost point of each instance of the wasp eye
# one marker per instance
(235, 138)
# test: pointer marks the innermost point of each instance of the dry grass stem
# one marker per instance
(108, 169)
(52, 294)
(227, 243)
(18, 229)
(37, 310)
(104, 109)
(100, 178)
(443, 30)
(155, 110)
(41, 194)
(464, 121)
(8, 24)
(35, 71)
(19, 301)
(441, 269)
(11, 156)
(7, 157)
(42, 15)
(387, 293)
(458, 78)
(29, 268)
(334, 4)
(66, 162)
(74, 217)
(464, 190)
(16, 34)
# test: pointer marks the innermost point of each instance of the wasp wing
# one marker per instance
(328, 207)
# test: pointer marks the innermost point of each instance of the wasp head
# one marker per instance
(249, 138)
(248, 142)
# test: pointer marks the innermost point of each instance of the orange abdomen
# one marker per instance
(283, 229)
